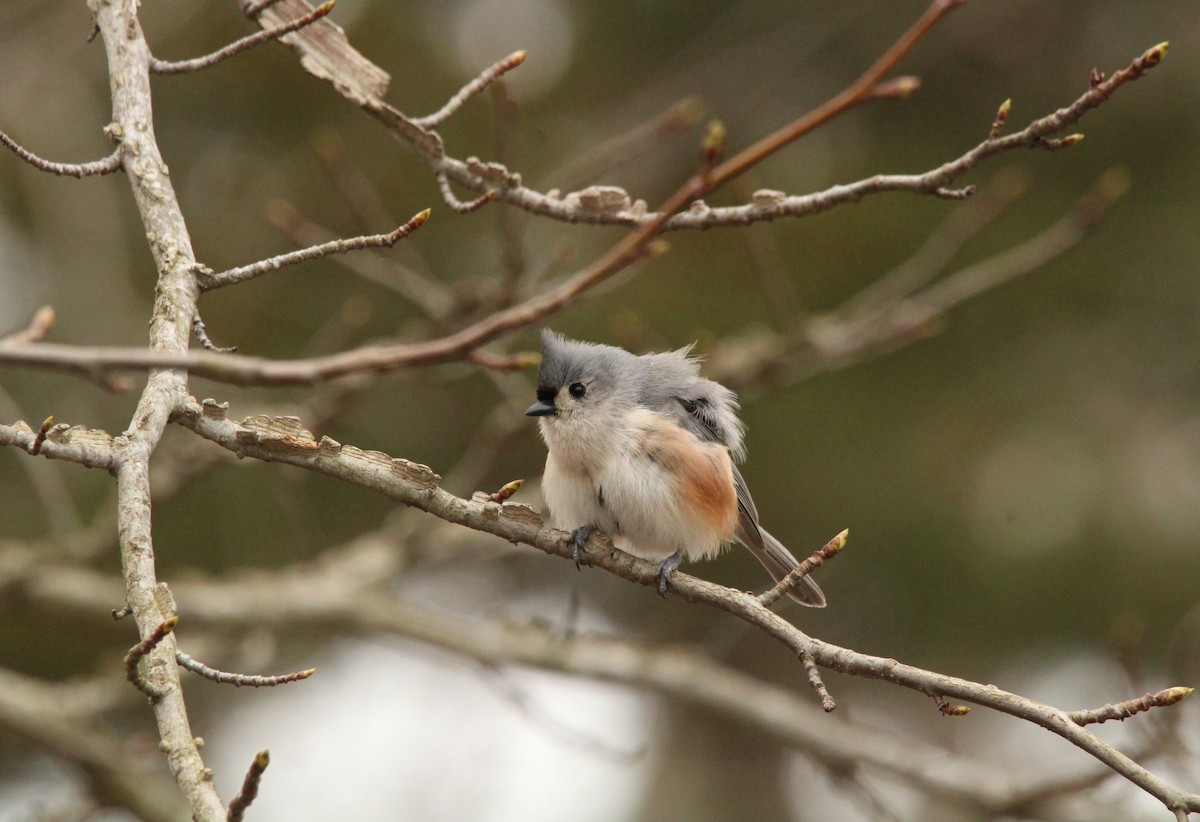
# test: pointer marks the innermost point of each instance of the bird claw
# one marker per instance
(665, 569)
(578, 537)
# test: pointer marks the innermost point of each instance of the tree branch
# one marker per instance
(170, 331)
(210, 281)
(283, 440)
(250, 41)
(95, 168)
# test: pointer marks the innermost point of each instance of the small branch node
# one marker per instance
(140, 650)
(828, 551)
(249, 789)
(954, 193)
(949, 709)
(1056, 143)
(712, 147)
(239, 680)
(1001, 118)
(35, 447)
(95, 168)
(485, 79)
(121, 613)
(238, 46)
(506, 491)
(818, 684)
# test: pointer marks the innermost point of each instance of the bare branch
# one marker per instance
(1126, 709)
(249, 680)
(485, 79)
(244, 370)
(430, 295)
(95, 168)
(201, 332)
(249, 789)
(250, 41)
(170, 330)
(827, 551)
(462, 206)
(818, 684)
(283, 440)
(209, 281)
(85, 446)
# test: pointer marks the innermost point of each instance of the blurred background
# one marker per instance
(1022, 487)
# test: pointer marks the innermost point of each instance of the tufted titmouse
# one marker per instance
(639, 447)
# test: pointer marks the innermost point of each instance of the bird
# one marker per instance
(645, 450)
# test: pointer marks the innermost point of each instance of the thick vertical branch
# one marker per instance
(132, 128)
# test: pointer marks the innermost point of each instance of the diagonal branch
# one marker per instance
(283, 440)
(485, 79)
(209, 281)
(237, 47)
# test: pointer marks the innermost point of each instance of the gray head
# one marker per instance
(584, 383)
(580, 381)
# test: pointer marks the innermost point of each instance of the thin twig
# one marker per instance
(817, 683)
(39, 326)
(827, 551)
(1126, 709)
(39, 439)
(462, 206)
(433, 297)
(249, 680)
(95, 168)
(205, 342)
(485, 79)
(140, 650)
(237, 47)
(233, 276)
(249, 789)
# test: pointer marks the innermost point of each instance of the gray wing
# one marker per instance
(709, 410)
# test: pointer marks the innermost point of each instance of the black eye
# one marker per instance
(577, 389)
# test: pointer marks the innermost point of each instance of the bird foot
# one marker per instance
(665, 569)
(578, 537)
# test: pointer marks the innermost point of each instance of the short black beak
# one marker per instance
(542, 408)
